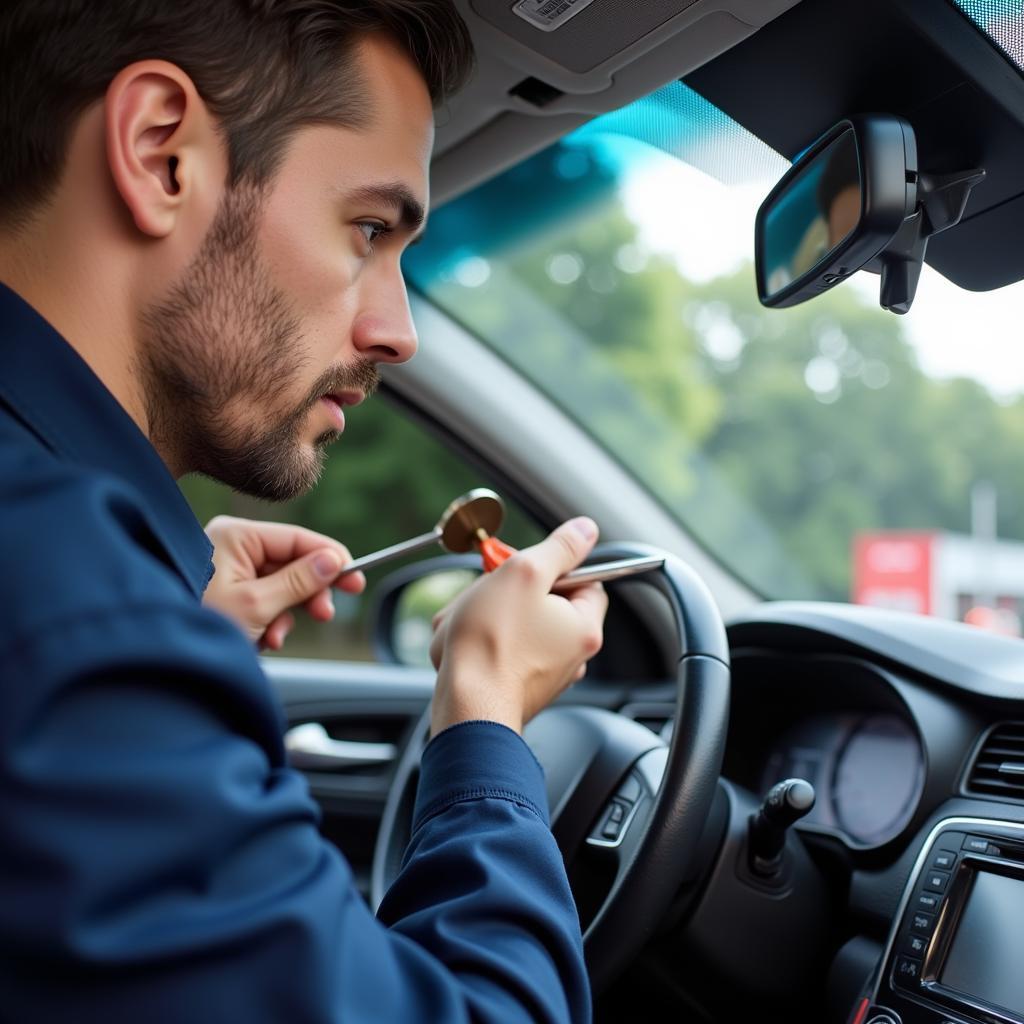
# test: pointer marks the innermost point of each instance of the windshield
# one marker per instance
(831, 450)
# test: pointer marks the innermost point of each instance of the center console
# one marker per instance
(956, 954)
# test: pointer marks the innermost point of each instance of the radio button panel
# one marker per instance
(921, 950)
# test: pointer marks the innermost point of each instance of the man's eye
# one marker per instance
(371, 231)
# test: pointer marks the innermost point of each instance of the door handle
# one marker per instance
(309, 746)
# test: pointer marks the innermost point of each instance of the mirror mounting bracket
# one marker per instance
(942, 199)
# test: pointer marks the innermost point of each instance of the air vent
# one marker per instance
(998, 768)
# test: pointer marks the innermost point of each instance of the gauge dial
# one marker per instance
(878, 777)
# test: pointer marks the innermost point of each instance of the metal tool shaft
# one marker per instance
(424, 540)
(604, 571)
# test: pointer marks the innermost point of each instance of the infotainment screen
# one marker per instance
(986, 956)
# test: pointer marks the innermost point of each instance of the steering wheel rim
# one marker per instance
(585, 772)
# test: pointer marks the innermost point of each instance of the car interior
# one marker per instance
(773, 803)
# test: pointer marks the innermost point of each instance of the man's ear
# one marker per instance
(160, 142)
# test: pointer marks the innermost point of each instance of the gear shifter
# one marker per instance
(785, 804)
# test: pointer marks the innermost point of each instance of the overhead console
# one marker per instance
(544, 67)
(956, 951)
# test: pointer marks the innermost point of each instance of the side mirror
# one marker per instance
(408, 600)
(854, 200)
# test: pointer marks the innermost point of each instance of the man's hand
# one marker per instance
(507, 646)
(265, 569)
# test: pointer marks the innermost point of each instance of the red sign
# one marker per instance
(894, 570)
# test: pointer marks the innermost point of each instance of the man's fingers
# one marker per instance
(321, 606)
(563, 549)
(296, 583)
(591, 603)
(277, 632)
(285, 543)
(276, 543)
(351, 582)
(590, 600)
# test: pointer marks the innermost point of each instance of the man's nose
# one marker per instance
(383, 330)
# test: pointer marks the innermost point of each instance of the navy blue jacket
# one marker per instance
(159, 861)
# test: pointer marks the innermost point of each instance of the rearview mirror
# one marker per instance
(854, 200)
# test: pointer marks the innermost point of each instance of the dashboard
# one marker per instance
(909, 730)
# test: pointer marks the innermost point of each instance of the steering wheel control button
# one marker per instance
(921, 924)
(976, 844)
(616, 818)
(629, 790)
(936, 881)
(944, 860)
(907, 970)
(928, 901)
(612, 824)
(915, 945)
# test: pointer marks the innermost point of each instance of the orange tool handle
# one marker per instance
(494, 553)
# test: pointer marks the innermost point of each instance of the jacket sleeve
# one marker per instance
(483, 882)
(159, 861)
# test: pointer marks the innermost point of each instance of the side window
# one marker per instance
(385, 481)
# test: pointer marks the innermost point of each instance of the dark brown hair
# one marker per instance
(264, 67)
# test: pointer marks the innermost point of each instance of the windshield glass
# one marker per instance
(831, 450)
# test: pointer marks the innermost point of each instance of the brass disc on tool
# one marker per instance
(478, 509)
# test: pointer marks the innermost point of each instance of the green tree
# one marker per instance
(832, 427)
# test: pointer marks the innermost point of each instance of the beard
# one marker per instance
(225, 342)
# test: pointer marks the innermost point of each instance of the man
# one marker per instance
(202, 208)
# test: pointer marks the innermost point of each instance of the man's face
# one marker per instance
(295, 294)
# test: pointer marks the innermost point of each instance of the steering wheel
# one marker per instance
(621, 800)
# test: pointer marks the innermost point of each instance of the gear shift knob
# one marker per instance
(785, 803)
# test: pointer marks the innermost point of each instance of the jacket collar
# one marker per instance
(52, 390)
